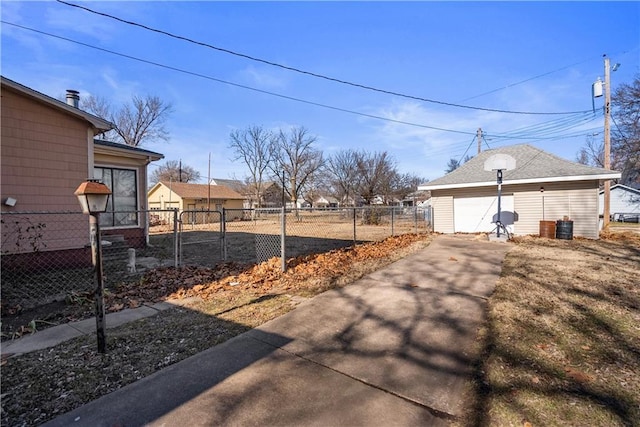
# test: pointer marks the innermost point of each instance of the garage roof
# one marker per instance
(200, 191)
(532, 166)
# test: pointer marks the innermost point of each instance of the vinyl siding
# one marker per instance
(622, 201)
(576, 199)
(442, 213)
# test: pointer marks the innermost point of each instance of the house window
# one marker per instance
(123, 203)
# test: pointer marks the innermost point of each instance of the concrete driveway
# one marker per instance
(394, 348)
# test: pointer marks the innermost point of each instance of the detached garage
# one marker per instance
(541, 187)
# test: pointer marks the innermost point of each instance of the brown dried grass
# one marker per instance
(562, 344)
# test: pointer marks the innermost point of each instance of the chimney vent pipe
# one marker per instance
(73, 98)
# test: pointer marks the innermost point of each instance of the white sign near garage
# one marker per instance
(477, 214)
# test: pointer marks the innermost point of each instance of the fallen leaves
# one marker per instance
(261, 279)
(577, 375)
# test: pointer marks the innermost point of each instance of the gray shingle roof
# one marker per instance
(532, 165)
(234, 184)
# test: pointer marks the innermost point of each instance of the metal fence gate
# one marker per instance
(200, 240)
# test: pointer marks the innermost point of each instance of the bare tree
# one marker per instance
(376, 173)
(137, 123)
(317, 185)
(99, 106)
(253, 146)
(625, 135)
(592, 153)
(293, 153)
(173, 170)
(343, 174)
(405, 184)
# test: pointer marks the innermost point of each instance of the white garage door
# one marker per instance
(478, 214)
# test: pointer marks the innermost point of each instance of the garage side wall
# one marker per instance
(578, 200)
(442, 205)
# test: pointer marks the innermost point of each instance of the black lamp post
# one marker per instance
(93, 196)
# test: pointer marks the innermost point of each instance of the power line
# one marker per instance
(540, 130)
(466, 151)
(526, 80)
(290, 98)
(309, 73)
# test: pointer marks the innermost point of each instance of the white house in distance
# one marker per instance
(624, 200)
(541, 187)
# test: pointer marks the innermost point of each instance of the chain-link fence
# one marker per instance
(46, 256)
(254, 235)
(200, 238)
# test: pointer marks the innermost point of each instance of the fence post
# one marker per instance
(415, 217)
(283, 233)
(431, 218)
(175, 238)
(223, 233)
(393, 216)
(354, 225)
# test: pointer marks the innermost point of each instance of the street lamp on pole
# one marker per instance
(93, 196)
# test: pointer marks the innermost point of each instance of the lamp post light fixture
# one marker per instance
(93, 196)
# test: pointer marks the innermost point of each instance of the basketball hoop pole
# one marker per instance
(499, 162)
(499, 173)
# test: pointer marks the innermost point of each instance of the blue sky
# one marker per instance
(514, 56)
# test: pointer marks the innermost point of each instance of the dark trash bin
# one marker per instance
(564, 230)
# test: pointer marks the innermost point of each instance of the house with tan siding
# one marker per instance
(193, 197)
(542, 187)
(49, 147)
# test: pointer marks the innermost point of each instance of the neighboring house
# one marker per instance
(541, 187)
(192, 197)
(48, 150)
(415, 198)
(623, 200)
(270, 195)
(326, 202)
(382, 200)
(234, 184)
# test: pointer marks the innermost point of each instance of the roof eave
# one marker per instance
(142, 154)
(99, 125)
(603, 177)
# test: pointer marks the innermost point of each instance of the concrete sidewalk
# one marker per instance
(57, 334)
(394, 348)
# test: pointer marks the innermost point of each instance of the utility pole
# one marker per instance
(479, 138)
(607, 141)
